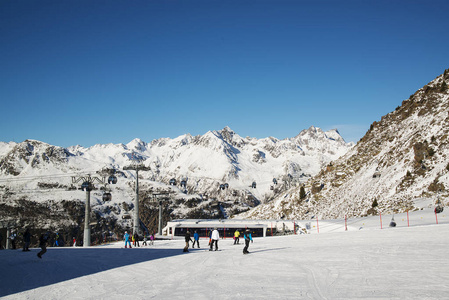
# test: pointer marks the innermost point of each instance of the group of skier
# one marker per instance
(214, 236)
(26, 239)
(135, 239)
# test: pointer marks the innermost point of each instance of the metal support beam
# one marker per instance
(90, 180)
(160, 197)
(159, 228)
(8, 237)
(86, 237)
(136, 220)
(136, 223)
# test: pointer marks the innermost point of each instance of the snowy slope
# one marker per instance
(402, 157)
(392, 263)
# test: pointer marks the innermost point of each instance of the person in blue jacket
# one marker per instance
(126, 238)
(196, 239)
(247, 237)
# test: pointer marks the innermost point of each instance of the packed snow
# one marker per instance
(408, 261)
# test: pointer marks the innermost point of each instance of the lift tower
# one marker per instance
(87, 186)
(137, 166)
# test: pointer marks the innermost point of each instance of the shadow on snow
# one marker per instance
(22, 271)
(274, 249)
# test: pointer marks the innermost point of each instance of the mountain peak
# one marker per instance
(137, 144)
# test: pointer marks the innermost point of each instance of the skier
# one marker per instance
(188, 239)
(43, 244)
(74, 242)
(144, 240)
(152, 239)
(214, 239)
(26, 240)
(247, 237)
(126, 239)
(236, 236)
(13, 240)
(136, 240)
(196, 239)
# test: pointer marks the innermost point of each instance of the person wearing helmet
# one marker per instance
(247, 237)
(126, 239)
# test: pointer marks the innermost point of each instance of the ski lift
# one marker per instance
(86, 186)
(392, 222)
(275, 181)
(439, 209)
(107, 197)
(112, 179)
(172, 181)
(377, 173)
(253, 185)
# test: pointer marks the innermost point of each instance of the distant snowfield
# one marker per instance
(389, 263)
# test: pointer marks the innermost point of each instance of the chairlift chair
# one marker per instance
(253, 185)
(377, 173)
(392, 222)
(172, 181)
(86, 186)
(439, 208)
(112, 179)
(107, 197)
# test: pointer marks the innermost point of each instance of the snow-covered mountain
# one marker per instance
(49, 176)
(402, 157)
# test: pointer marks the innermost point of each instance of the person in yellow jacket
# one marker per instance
(236, 236)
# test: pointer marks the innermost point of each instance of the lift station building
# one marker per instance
(227, 227)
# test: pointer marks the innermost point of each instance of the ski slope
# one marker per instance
(405, 262)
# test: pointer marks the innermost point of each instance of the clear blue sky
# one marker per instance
(88, 72)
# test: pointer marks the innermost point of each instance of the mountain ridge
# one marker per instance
(34, 171)
(402, 157)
